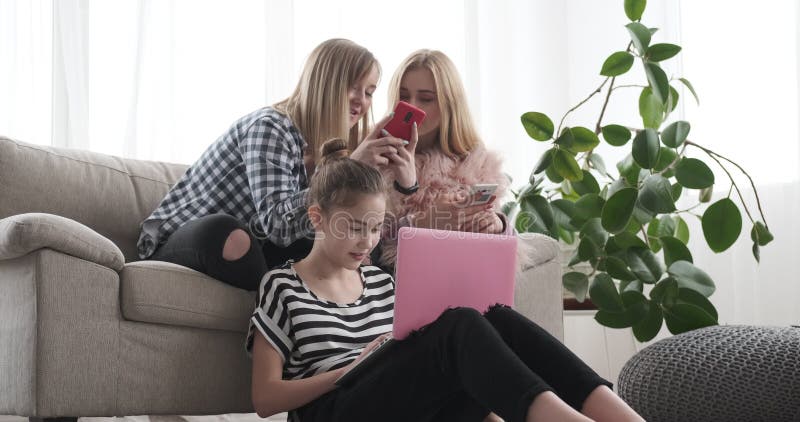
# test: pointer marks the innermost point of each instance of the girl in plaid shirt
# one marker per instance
(240, 209)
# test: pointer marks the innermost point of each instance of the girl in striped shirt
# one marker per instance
(315, 318)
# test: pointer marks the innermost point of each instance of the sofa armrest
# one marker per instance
(538, 292)
(25, 233)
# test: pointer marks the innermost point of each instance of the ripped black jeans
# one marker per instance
(198, 245)
(459, 368)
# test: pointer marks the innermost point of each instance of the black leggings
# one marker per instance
(460, 368)
(198, 245)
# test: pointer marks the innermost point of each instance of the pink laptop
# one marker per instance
(437, 270)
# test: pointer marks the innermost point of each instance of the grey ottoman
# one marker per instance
(721, 373)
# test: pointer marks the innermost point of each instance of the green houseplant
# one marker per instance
(626, 226)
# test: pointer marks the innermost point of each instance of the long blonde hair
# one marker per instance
(319, 104)
(457, 134)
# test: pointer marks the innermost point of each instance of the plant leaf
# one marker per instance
(640, 35)
(674, 250)
(674, 97)
(566, 166)
(647, 328)
(646, 148)
(588, 206)
(666, 156)
(593, 230)
(540, 220)
(598, 164)
(563, 212)
(613, 319)
(552, 174)
(618, 210)
(691, 89)
(538, 125)
(665, 292)
(583, 139)
(577, 283)
(684, 317)
(659, 52)
(544, 161)
(644, 265)
(722, 224)
(651, 109)
(629, 170)
(681, 230)
(692, 297)
(617, 63)
(627, 240)
(760, 234)
(588, 184)
(694, 174)
(656, 195)
(617, 269)
(616, 135)
(658, 81)
(604, 294)
(634, 9)
(674, 134)
(689, 276)
(706, 194)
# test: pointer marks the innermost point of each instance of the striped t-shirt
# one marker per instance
(314, 335)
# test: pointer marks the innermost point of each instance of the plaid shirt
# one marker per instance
(254, 172)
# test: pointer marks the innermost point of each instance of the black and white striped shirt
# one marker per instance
(314, 335)
(254, 172)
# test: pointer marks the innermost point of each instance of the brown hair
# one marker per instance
(319, 104)
(340, 180)
(457, 134)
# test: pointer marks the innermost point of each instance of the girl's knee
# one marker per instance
(500, 310)
(460, 316)
(236, 245)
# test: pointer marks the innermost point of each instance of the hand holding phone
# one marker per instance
(482, 192)
(405, 115)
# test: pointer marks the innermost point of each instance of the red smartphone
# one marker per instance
(405, 115)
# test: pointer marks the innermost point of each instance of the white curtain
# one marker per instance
(162, 79)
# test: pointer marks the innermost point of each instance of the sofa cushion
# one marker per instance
(164, 293)
(24, 233)
(109, 194)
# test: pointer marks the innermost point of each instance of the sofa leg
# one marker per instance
(62, 419)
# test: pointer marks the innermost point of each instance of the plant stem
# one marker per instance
(646, 239)
(713, 156)
(688, 209)
(605, 104)
(597, 128)
(674, 162)
(629, 86)
(752, 183)
(595, 92)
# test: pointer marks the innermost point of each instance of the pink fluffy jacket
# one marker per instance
(439, 174)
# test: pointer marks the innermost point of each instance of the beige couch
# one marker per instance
(86, 330)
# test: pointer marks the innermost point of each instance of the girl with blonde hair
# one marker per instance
(240, 208)
(450, 156)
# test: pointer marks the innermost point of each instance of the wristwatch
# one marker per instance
(406, 191)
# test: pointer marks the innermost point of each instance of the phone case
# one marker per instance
(405, 115)
(486, 191)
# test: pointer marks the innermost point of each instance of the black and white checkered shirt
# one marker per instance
(254, 172)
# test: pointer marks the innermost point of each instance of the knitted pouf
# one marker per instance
(721, 373)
